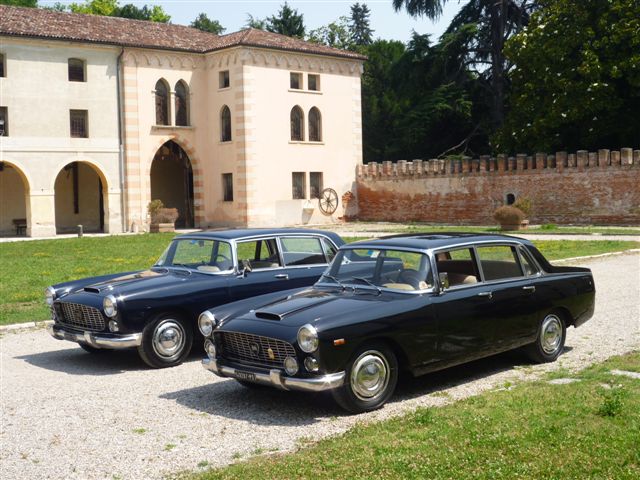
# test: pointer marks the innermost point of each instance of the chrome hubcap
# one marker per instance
(168, 339)
(369, 375)
(551, 334)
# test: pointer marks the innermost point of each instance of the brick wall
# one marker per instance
(583, 188)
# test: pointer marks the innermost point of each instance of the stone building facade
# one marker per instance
(244, 129)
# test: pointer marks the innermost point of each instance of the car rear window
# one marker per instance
(302, 251)
(498, 262)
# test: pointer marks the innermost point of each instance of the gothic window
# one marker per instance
(315, 125)
(297, 124)
(162, 103)
(225, 124)
(182, 104)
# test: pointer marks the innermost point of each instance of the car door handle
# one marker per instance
(489, 295)
(529, 288)
(282, 276)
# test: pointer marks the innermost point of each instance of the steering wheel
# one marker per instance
(226, 261)
(410, 276)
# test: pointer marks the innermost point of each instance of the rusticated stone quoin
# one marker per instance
(567, 188)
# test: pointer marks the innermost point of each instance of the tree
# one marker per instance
(483, 26)
(576, 84)
(111, 8)
(337, 34)
(361, 32)
(288, 22)
(204, 23)
(95, 7)
(20, 3)
(257, 23)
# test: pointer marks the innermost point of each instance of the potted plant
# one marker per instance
(509, 218)
(162, 219)
(524, 205)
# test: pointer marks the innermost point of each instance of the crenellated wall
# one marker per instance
(583, 188)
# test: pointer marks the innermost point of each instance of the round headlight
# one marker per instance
(210, 348)
(308, 338)
(290, 366)
(206, 322)
(311, 364)
(110, 306)
(113, 326)
(49, 295)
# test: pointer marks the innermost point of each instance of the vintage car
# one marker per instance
(419, 303)
(156, 310)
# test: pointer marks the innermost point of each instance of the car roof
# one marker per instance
(429, 240)
(240, 233)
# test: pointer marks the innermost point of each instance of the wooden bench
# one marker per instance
(21, 226)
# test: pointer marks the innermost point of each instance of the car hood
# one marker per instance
(320, 306)
(153, 279)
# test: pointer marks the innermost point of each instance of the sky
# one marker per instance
(385, 21)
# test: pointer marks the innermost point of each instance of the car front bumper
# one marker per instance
(275, 378)
(96, 340)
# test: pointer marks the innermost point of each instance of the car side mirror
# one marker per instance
(444, 280)
(246, 268)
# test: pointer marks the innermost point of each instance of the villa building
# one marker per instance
(101, 115)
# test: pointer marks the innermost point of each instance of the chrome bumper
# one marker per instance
(275, 378)
(96, 340)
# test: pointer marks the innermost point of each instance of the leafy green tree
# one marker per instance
(204, 23)
(95, 7)
(20, 3)
(287, 22)
(576, 84)
(482, 27)
(257, 23)
(111, 8)
(361, 32)
(337, 34)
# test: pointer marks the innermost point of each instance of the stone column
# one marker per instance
(41, 214)
(603, 158)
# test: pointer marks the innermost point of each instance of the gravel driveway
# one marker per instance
(68, 414)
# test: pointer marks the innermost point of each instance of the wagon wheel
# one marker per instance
(328, 201)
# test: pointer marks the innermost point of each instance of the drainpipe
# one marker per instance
(121, 141)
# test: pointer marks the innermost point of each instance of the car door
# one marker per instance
(513, 303)
(266, 273)
(304, 259)
(464, 310)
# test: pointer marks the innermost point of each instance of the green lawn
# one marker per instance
(588, 429)
(29, 267)
(539, 229)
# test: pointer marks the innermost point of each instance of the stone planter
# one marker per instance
(162, 227)
(524, 224)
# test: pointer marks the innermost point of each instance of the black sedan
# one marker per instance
(156, 310)
(419, 303)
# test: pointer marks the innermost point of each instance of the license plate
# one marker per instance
(248, 376)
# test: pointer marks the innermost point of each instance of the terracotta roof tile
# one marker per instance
(39, 23)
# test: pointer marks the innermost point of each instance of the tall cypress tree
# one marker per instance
(361, 32)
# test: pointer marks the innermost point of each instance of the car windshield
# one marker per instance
(380, 268)
(208, 256)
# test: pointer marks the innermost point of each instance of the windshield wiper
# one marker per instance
(368, 283)
(331, 277)
(181, 265)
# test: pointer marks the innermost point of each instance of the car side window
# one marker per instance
(499, 262)
(330, 249)
(302, 251)
(259, 253)
(528, 265)
(459, 265)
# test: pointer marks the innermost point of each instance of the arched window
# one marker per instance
(225, 124)
(510, 199)
(182, 104)
(162, 103)
(315, 125)
(297, 124)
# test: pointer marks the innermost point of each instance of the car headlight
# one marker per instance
(110, 306)
(206, 322)
(308, 338)
(49, 295)
(210, 348)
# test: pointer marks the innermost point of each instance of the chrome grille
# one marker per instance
(255, 349)
(80, 316)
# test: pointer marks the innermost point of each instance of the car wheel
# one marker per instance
(549, 343)
(88, 348)
(166, 341)
(370, 380)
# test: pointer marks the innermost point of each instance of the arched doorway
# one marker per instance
(172, 182)
(14, 190)
(80, 198)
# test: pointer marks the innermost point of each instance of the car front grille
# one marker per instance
(80, 316)
(255, 349)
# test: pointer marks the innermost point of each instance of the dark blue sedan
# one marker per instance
(156, 310)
